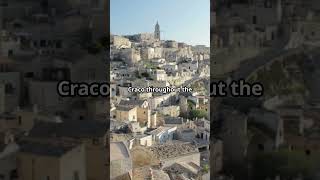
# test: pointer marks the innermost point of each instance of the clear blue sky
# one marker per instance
(181, 20)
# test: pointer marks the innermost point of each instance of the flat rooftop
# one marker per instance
(173, 149)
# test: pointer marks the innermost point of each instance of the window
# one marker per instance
(10, 52)
(254, 20)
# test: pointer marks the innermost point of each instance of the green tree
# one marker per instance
(197, 114)
(206, 168)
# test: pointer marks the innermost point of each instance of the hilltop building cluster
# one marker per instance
(163, 135)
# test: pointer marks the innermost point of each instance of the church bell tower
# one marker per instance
(157, 32)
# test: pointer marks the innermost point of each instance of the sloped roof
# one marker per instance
(44, 149)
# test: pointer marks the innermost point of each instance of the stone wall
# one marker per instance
(192, 157)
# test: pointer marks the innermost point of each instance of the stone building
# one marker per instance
(161, 100)
(216, 156)
(234, 136)
(51, 161)
(120, 42)
(11, 79)
(202, 129)
(130, 55)
(20, 120)
(260, 12)
(44, 94)
(188, 66)
(8, 155)
(142, 37)
(171, 44)
(89, 68)
(272, 125)
(91, 134)
(158, 74)
(172, 111)
(162, 134)
(134, 110)
(147, 53)
(176, 152)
